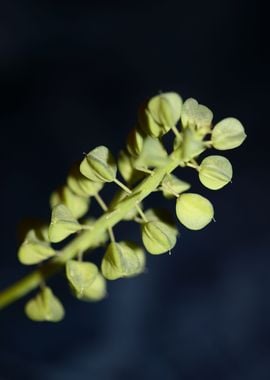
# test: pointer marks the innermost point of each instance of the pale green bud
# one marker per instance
(229, 133)
(194, 211)
(158, 237)
(153, 154)
(81, 275)
(96, 291)
(77, 205)
(171, 186)
(45, 307)
(215, 172)
(196, 115)
(126, 168)
(189, 112)
(34, 250)
(80, 185)
(99, 165)
(123, 259)
(135, 142)
(165, 109)
(62, 224)
(148, 125)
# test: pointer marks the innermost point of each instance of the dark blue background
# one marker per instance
(71, 77)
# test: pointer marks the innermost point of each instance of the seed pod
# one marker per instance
(123, 259)
(158, 237)
(189, 112)
(171, 185)
(204, 119)
(229, 133)
(165, 109)
(196, 115)
(215, 172)
(135, 142)
(80, 185)
(96, 291)
(147, 124)
(34, 250)
(194, 211)
(126, 168)
(153, 154)
(81, 275)
(62, 224)
(76, 204)
(45, 307)
(99, 165)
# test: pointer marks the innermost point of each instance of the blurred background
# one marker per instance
(72, 75)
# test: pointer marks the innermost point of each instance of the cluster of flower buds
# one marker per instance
(145, 166)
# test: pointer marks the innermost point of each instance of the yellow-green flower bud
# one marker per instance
(34, 250)
(123, 259)
(215, 172)
(158, 237)
(165, 109)
(171, 186)
(99, 165)
(76, 204)
(126, 168)
(45, 307)
(96, 291)
(82, 186)
(194, 211)
(62, 224)
(196, 115)
(81, 275)
(229, 133)
(135, 142)
(153, 154)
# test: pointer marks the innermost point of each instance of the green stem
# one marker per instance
(84, 241)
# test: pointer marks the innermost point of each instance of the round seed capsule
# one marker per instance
(78, 205)
(215, 172)
(194, 211)
(123, 259)
(62, 224)
(45, 307)
(80, 185)
(135, 142)
(96, 291)
(81, 275)
(165, 110)
(229, 133)
(99, 165)
(158, 237)
(34, 250)
(171, 185)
